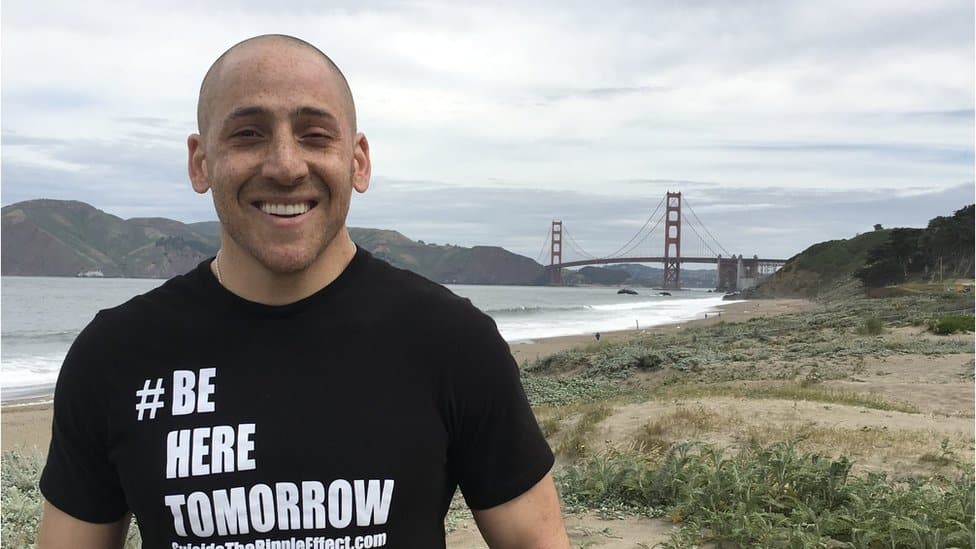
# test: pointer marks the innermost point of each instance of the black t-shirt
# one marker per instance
(346, 419)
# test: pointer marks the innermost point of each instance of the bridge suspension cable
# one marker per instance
(702, 240)
(715, 240)
(646, 236)
(649, 218)
(545, 243)
(576, 247)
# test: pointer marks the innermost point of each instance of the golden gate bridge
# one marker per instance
(734, 272)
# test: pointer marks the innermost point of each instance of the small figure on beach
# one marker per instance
(597, 335)
(249, 399)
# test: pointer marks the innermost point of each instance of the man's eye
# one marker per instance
(317, 137)
(246, 134)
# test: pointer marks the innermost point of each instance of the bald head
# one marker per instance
(212, 85)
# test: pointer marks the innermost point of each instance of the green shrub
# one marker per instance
(556, 391)
(22, 501)
(951, 324)
(574, 442)
(871, 326)
(775, 497)
(611, 482)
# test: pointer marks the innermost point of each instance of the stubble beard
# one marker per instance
(270, 256)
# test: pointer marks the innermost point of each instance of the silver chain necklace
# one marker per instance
(216, 264)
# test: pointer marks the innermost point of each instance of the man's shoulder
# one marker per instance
(409, 289)
(127, 329)
(173, 297)
(418, 305)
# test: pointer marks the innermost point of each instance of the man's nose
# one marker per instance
(285, 163)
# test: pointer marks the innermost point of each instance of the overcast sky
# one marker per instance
(782, 123)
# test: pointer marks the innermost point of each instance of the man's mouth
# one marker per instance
(285, 210)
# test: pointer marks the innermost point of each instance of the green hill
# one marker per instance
(882, 257)
(447, 263)
(68, 238)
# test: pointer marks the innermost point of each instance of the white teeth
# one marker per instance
(284, 209)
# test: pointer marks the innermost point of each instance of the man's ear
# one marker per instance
(197, 164)
(362, 167)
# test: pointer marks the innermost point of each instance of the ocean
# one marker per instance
(41, 316)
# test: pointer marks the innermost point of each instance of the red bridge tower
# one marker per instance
(556, 254)
(672, 241)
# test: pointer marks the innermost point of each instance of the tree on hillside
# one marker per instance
(945, 245)
(893, 261)
(951, 239)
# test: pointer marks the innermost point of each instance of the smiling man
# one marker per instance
(293, 391)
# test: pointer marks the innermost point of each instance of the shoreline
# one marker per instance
(26, 394)
(31, 374)
(26, 423)
(735, 311)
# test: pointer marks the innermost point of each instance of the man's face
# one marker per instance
(279, 155)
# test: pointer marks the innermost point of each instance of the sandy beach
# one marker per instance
(27, 424)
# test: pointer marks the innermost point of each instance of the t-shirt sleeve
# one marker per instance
(497, 451)
(79, 478)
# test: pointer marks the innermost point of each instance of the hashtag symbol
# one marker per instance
(150, 399)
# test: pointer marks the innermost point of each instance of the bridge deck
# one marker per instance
(657, 260)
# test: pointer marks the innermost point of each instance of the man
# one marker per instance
(291, 392)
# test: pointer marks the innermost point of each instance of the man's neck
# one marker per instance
(244, 276)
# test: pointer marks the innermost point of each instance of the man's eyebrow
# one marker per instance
(301, 112)
(242, 112)
(314, 112)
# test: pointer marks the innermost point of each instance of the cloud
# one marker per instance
(598, 93)
(965, 115)
(962, 156)
(50, 99)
